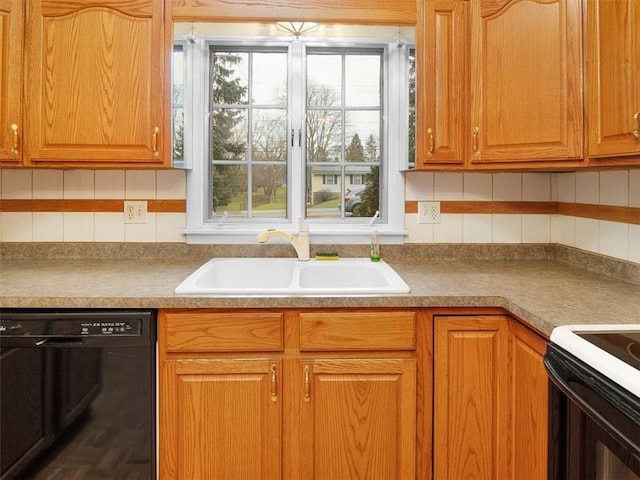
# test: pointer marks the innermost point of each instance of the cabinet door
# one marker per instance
(613, 49)
(357, 419)
(95, 83)
(471, 397)
(221, 418)
(442, 38)
(11, 32)
(530, 404)
(526, 88)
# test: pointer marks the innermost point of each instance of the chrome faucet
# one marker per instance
(299, 242)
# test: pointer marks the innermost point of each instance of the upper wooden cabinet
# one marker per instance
(526, 81)
(442, 76)
(11, 127)
(613, 89)
(500, 84)
(95, 80)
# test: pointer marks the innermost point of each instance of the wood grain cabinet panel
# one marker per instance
(529, 405)
(220, 418)
(223, 332)
(11, 77)
(442, 75)
(357, 331)
(613, 69)
(95, 83)
(385, 12)
(526, 81)
(470, 397)
(357, 419)
(490, 399)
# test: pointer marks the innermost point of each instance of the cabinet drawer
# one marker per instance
(223, 332)
(357, 331)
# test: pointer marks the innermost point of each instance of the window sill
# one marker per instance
(229, 234)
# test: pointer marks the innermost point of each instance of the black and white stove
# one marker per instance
(597, 369)
(612, 350)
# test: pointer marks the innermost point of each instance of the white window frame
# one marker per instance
(394, 143)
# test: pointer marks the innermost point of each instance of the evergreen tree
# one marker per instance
(354, 152)
(371, 150)
(227, 90)
(371, 194)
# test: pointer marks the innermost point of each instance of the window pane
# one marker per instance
(229, 134)
(269, 191)
(178, 104)
(229, 189)
(269, 79)
(361, 199)
(362, 78)
(362, 134)
(269, 134)
(324, 136)
(412, 108)
(323, 199)
(229, 77)
(324, 80)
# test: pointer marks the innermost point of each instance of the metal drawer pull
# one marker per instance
(636, 121)
(307, 385)
(476, 149)
(431, 141)
(274, 384)
(14, 149)
(154, 142)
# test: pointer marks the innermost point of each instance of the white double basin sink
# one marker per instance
(288, 276)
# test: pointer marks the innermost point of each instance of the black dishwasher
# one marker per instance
(77, 394)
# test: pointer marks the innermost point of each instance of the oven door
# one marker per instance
(596, 423)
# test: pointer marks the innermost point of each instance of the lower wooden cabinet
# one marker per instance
(287, 395)
(332, 394)
(490, 399)
(357, 419)
(221, 418)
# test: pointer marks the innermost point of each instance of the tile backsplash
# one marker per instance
(606, 187)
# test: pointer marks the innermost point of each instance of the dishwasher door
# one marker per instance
(77, 394)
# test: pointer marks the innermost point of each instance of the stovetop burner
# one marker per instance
(622, 345)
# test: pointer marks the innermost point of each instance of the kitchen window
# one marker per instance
(278, 129)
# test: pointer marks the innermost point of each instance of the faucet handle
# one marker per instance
(302, 226)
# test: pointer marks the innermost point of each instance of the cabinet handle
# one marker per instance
(476, 149)
(636, 121)
(154, 141)
(14, 149)
(307, 385)
(274, 384)
(431, 141)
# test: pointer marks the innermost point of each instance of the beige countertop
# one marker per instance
(543, 292)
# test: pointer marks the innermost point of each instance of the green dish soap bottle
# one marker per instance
(375, 246)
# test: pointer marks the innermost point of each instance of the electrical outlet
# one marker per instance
(135, 211)
(428, 212)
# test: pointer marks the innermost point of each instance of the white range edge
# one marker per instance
(618, 371)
